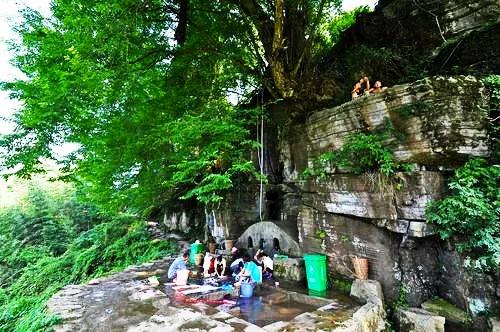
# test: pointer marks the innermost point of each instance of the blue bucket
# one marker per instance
(246, 290)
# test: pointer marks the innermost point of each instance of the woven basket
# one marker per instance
(360, 267)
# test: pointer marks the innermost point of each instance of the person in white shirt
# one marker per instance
(208, 265)
(267, 262)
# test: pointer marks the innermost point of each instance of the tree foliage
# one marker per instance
(471, 214)
(146, 97)
(49, 240)
(331, 30)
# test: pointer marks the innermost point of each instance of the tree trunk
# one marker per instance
(182, 15)
(278, 70)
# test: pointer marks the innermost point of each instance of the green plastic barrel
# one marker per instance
(196, 248)
(316, 272)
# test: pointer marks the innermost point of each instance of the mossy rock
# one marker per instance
(449, 311)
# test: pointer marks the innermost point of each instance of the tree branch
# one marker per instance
(260, 20)
(310, 40)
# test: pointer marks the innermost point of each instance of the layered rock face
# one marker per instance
(438, 122)
(442, 121)
(353, 209)
(463, 16)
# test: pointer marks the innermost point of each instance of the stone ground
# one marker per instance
(127, 301)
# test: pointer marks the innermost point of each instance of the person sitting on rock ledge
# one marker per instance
(178, 264)
(361, 87)
(356, 91)
(377, 87)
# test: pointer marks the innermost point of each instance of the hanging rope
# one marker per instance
(260, 153)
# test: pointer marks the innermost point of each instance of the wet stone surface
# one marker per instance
(127, 301)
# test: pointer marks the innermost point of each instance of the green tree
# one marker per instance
(146, 97)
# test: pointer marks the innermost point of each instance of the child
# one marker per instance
(377, 87)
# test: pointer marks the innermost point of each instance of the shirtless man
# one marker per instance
(377, 87)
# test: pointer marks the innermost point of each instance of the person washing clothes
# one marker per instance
(208, 265)
(267, 263)
(258, 258)
(236, 266)
(220, 266)
(178, 264)
(250, 270)
(234, 254)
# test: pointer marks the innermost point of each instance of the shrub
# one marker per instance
(362, 152)
(70, 245)
(470, 215)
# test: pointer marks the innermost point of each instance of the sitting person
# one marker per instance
(208, 265)
(178, 264)
(234, 253)
(258, 258)
(220, 266)
(250, 270)
(234, 267)
(356, 90)
(377, 87)
(267, 271)
(361, 87)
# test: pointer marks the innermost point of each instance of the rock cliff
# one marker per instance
(438, 120)
(405, 40)
(438, 123)
(385, 221)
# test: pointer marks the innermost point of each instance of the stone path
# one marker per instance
(126, 301)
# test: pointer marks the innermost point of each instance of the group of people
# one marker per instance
(214, 266)
(362, 87)
(242, 268)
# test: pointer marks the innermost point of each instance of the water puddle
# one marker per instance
(268, 305)
(258, 311)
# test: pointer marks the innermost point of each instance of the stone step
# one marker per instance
(419, 320)
(456, 319)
